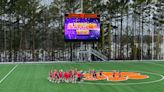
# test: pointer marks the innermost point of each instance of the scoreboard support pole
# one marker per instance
(81, 51)
(71, 51)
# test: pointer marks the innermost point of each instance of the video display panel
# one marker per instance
(82, 27)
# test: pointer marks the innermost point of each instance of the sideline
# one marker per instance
(73, 62)
(8, 74)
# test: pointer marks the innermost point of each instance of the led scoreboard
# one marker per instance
(82, 27)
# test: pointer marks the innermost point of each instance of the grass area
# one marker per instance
(4, 70)
(33, 77)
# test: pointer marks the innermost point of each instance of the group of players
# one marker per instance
(70, 76)
(74, 76)
(94, 73)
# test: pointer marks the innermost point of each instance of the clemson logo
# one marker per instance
(115, 76)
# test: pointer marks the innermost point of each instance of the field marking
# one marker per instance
(8, 74)
(148, 82)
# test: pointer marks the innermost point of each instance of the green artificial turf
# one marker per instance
(4, 69)
(33, 77)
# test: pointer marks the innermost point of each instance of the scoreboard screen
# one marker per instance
(82, 27)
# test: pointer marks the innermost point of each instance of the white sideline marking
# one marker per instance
(8, 74)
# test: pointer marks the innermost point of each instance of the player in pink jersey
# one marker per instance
(60, 75)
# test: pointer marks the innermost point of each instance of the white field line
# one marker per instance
(106, 77)
(8, 74)
(72, 62)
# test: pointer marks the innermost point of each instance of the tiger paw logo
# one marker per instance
(115, 76)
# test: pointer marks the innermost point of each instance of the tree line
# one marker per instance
(131, 29)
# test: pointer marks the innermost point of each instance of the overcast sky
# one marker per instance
(46, 2)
